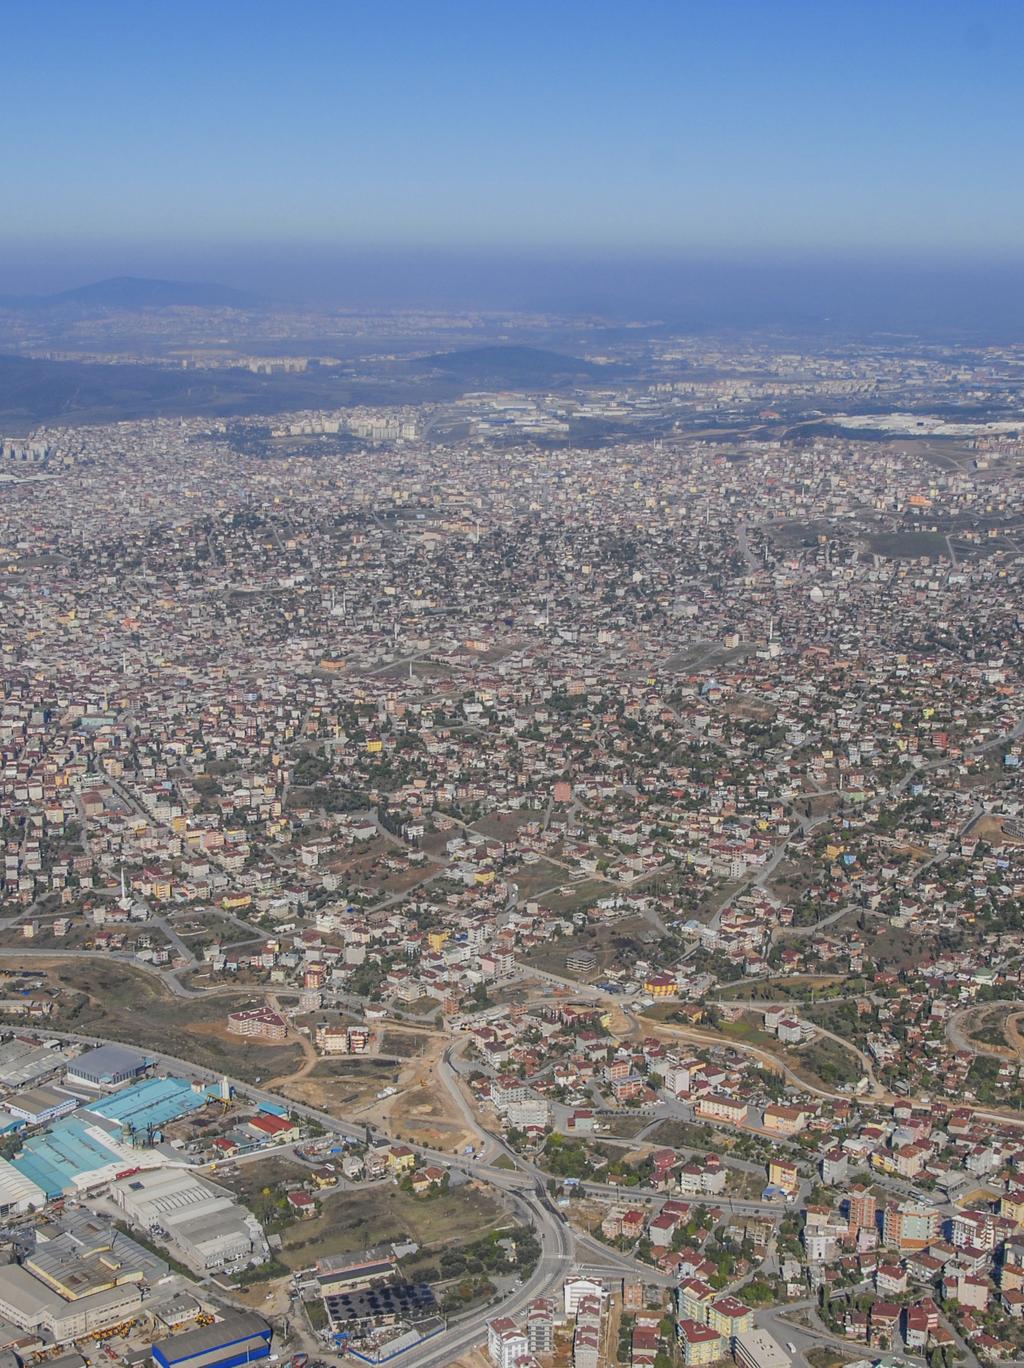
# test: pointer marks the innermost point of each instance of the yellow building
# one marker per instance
(700, 1344)
(660, 985)
(695, 1296)
(784, 1121)
(437, 940)
(400, 1159)
(721, 1107)
(783, 1175)
(1011, 1205)
(882, 1161)
(730, 1317)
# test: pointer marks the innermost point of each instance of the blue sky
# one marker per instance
(733, 126)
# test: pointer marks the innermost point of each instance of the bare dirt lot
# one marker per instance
(343, 1087)
(421, 1110)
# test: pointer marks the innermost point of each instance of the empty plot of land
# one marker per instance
(343, 1086)
(572, 897)
(404, 1043)
(504, 826)
(532, 879)
(909, 545)
(357, 1219)
(120, 1002)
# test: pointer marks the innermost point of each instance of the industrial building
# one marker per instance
(386, 1304)
(200, 1220)
(73, 1156)
(9, 1123)
(240, 1337)
(33, 1306)
(104, 1138)
(351, 1272)
(42, 1104)
(23, 1063)
(108, 1066)
(18, 1194)
(81, 1252)
(153, 1103)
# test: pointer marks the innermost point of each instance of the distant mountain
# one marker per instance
(134, 292)
(515, 366)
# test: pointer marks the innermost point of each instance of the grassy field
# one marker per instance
(686, 1135)
(579, 895)
(794, 987)
(909, 545)
(504, 826)
(550, 958)
(627, 1127)
(207, 927)
(355, 1219)
(830, 1062)
(745, 1032)
(360, 1218)
(616, 944)
(114, 1000)
(532, 879)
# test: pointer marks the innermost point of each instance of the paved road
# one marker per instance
(877, 1093)
(448, 1076)
(525, 1191)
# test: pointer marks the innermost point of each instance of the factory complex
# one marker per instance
(99, 1146)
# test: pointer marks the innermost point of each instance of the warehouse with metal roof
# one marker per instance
(73, 1155)
(241, 1337)
(25, 1062)
(153, 1102)
(202, 1221)
(18, 1192)
(108, 1066)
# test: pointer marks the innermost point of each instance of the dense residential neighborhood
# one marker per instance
(469, 892)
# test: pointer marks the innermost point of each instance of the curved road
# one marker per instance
(525, 1191)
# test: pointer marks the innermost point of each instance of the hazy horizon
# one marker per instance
(729, 164)
(818, 291)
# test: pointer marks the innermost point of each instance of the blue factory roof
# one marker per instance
(152, 1103)
(213, 1344)
(55, 1158)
